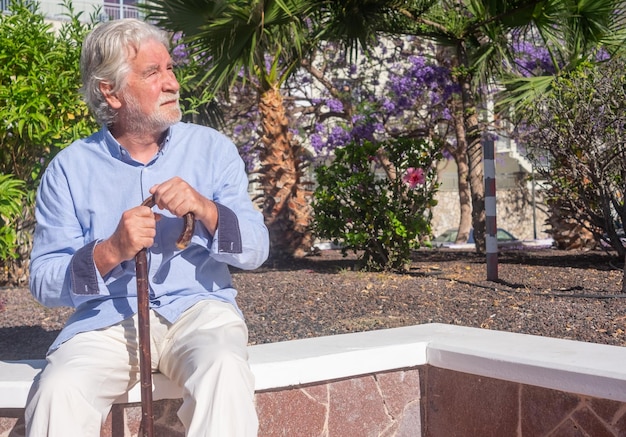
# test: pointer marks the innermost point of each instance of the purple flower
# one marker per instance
(317, 143)
(388, 106)
(334, 105)
(532, 60)
(338, 137)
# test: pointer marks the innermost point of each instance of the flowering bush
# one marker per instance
(376, 198)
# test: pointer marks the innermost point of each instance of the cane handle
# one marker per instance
(189, 220)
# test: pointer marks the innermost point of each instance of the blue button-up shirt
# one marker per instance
(81, 198)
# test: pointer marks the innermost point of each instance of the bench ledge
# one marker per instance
(16, 379)
(586, 368)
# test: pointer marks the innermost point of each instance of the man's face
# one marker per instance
(150, 97)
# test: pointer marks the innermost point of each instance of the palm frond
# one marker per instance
(521, 92)
(357, 23)
(178, 14)
(237, 37)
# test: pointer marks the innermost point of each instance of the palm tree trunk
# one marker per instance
(286, 206)
(474, 150)
(460, 157)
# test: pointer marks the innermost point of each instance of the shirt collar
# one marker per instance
(118, 151)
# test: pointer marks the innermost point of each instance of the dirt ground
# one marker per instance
(570, 295)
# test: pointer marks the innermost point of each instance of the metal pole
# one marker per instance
(491, 237)
(534, 193)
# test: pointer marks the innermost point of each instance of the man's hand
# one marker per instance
(135, 230)
(179, 198)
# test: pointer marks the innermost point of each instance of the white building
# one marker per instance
(103, 9)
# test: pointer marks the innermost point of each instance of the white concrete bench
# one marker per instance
(585, 368)
(16, 377)
(275, 365)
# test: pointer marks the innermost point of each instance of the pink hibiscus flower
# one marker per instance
(414, 176)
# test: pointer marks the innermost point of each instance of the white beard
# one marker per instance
(158, 121)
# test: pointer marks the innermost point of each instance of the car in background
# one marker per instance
(506, 240)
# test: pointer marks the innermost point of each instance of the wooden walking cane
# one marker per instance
(143, 315)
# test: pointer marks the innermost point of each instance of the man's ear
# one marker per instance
(107, 91)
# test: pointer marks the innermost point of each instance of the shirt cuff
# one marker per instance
(229, 234)
(83, 271)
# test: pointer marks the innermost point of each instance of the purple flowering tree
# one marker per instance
(379, 98)
(358, 116)
(388, 93)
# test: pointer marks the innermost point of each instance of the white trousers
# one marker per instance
(205, 352)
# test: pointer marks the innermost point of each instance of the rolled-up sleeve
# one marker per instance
(83, 272)
(241, 239)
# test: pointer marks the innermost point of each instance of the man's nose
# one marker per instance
(171, 83)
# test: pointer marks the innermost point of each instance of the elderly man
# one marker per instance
(90, 225)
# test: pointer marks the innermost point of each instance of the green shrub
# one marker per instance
(382, 210)
(11, 198)
(40, 106)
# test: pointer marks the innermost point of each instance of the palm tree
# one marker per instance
(259, 43)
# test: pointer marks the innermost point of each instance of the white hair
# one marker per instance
(104, 58)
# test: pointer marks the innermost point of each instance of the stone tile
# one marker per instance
(133, 417)
(543, 409)
(319, 392)
(356, 409)
(620, 425)
(399, 389)
(166, 423)
(392, 431)
(462, 405)
(410, 423)
(592, 424)
(565, 429)
(12, 427)
(610, 411)
(290, 413)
